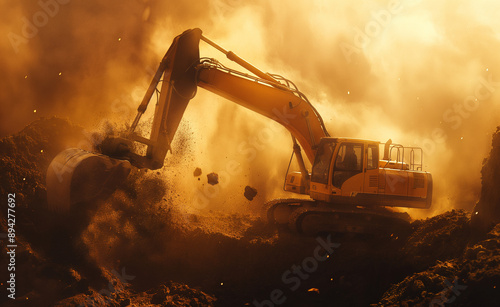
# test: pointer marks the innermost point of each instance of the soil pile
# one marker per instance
(140, 248)
(472, 279)
(455, 261)
(25, 156)
(487, 211)
(52, 267)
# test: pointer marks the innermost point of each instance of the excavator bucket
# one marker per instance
(76, 176)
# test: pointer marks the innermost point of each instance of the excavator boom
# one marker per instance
(183, 72)
(278, 104)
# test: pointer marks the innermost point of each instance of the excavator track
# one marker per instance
(278, 211)
(310, 217)
(330, 218)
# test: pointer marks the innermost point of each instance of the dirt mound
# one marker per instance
(472, 279)
(455, 260)
(138, 247)
(25, 156)
(441, 237)
(53, 265)
(487, 211)
(119, 294)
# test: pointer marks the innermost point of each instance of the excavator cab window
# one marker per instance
(321, 167)
(349, 162)
(372, 157)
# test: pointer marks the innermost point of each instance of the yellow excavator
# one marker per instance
(350, 187)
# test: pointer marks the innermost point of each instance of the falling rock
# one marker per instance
(250, 192)
(197, 172)
(213, 178)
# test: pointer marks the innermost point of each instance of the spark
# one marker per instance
(34, 111)
(462, 138)
(24, 179)
(348, 92)
(60, 73)
(476, 212)
(222, 284)
(26, 77)
(41, 150)
(119, 39)
(486, 69)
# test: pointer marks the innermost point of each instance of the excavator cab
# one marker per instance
(351, 187)
(349, 171)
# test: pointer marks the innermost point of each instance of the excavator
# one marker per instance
(348, 188)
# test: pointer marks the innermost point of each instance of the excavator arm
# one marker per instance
(279, 104)
(183, 71)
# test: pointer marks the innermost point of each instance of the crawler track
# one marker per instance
(311, 217)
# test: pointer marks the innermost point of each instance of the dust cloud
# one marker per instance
(421, 73)
(79, 59)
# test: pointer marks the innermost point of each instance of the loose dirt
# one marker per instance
(138, 248)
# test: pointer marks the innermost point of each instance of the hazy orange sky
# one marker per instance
(423, 73)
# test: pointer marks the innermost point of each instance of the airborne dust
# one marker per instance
(420, 73)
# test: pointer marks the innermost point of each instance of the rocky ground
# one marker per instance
(139, 249)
